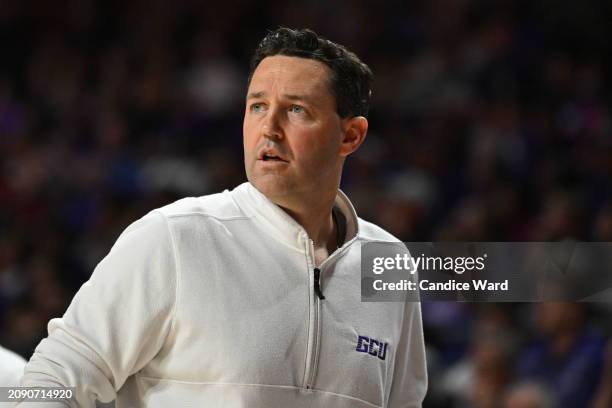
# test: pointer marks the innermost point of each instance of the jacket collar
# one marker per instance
(280, 224)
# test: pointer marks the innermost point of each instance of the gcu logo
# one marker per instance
(372, 347)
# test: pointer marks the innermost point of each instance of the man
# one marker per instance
(11, 368)
(251, 298)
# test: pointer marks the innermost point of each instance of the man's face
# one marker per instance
(292, 132)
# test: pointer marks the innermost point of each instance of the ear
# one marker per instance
(353, 135)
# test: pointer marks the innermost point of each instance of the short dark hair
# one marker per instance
(351, 79)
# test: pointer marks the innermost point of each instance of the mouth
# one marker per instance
(271, 157)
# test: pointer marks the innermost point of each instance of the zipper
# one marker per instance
(312, 350)
(317, 283)
(315, 297)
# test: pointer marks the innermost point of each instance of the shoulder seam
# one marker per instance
(203, 214)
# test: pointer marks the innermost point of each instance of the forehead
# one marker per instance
(291, 75)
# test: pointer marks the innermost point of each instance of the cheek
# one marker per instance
(317, 152)
(248, 135)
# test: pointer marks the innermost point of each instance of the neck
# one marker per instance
(316, 218)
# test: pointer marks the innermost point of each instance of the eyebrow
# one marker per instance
(292, 97)
(255, 95)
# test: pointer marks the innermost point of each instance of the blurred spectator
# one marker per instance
(528, 395)
(480, 378)
(561, 218)
(603, 396)
(567, 356)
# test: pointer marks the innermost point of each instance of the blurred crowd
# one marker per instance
(490, 121)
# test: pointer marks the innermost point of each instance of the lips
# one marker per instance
(270, 155)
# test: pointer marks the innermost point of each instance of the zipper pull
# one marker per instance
(317, 283)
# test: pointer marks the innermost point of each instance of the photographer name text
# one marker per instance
(450, 285)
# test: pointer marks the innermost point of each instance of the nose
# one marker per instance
(271, 127)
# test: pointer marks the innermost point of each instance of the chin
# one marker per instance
(270, 186)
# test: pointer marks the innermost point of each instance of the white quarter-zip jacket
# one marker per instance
(211, 302)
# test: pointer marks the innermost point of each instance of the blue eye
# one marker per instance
(257, 107)
(296, 109)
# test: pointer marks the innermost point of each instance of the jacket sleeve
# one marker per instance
(116, 323)
(409, 384)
